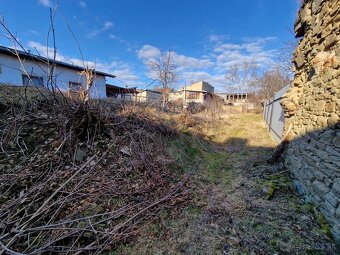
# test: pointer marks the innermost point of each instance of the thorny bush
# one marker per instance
(81, 178)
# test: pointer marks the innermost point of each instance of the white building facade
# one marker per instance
(66, 77)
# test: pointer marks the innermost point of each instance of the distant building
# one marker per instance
(197, 92)
(66, 77)
(148, 95)
(120, 93)
(133, 94)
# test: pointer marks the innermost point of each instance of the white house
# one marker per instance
(66, 76)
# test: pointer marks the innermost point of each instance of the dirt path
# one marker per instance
(239, 204)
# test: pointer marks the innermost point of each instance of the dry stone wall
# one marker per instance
(312, 108)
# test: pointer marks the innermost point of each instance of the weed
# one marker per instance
(194, 210)
(325, 228)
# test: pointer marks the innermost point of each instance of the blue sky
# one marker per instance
(207, 36)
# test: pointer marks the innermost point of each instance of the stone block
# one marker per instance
(331, 40)
(299, 187)
(319, 105)
(320, 188)
(299, 60)
(319, 176)
(330, 107)
(336, 141)
(322, 121)
(330, 210)
(332, 199)
(333, 120)
(322, 154)
(336, 187)
(327, 136)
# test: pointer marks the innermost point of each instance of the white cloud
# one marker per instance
(227, 46)
(181, 61)
(228, 54)
(128, 77)
(148, 52)
(46, 3)
(95, 32)
(186, 62)
(222, 54)
(217, 38)
(107, 25)
(82, 4)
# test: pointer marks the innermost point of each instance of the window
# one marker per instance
(193, 95)
(32, 81)
(74, 86)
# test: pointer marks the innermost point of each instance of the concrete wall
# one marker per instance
(11, 74)
(312, 108)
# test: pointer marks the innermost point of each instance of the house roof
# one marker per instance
(33, 57)
(195, 90)
(117, 89)
(149, 90)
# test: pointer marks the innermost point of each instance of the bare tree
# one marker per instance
(283, 59)
(278, 75)
(164, 69)
(270, 81)
(241, 76)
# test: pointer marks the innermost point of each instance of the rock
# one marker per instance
(327, 136)
(305, 218)
(80, 155)
(330, 107)
(330, 41)
(336, 187)
(126, 150)
(336, 141)
(332, 199)
(320, 188)
(299, 187)
(333, 119)
(312, 108)
(299, 60)
(320, 106)
(322, 121)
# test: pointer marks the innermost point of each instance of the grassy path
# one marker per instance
(239, 204)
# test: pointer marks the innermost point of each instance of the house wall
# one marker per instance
(176, 96)
(11, 74)
(312, 108)
(201, 85)
(199, 99)
(149, 96)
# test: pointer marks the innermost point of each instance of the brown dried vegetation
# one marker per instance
(81, 178)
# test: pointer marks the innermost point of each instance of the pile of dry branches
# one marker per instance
(81, 177)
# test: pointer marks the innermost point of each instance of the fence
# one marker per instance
(273, 114)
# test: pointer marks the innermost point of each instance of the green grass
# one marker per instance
(216, 168)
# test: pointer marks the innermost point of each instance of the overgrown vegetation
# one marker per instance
(82, 178)
(238, 203)
(120, 179)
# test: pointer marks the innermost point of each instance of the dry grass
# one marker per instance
(230, 211)
(131, 180)
(82, 178)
